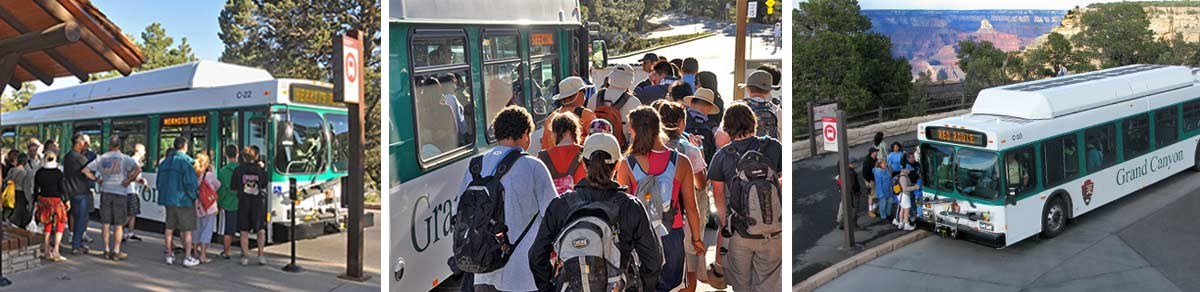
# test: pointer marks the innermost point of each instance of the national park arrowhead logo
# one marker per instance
(1088, 189)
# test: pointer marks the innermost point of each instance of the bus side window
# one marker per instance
(1060, 160)
(444, 109)
(8, 139)
(1019, 170)
(1101, 147)
(1166, 126)
(132, 133)
(502, 75)
(543, 74)
(1191, 115)
(1137, 135)
(26, 133)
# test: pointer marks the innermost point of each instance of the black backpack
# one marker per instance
(481, 242)
(755, 201)
(768, 121)
(696, 126)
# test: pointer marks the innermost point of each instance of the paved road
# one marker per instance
(715, 54)
(323, 259)
(1144, 242)
(816, 238)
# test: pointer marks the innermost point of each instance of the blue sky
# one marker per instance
(975, 4)
(194, 19)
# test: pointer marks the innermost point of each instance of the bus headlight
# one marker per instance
(985, 226)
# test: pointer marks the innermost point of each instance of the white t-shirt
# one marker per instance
(112, 168)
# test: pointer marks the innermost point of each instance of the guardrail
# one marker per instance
(883, 114)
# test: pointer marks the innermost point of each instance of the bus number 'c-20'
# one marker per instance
(437, 224)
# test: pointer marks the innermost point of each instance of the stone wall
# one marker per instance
(864, 134)
(22, 250)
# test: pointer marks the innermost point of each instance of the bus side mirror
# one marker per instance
(287, 134)
(1011, 197)
(599, 54)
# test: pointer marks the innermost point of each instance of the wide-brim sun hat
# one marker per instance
(569, 86)
(705, 95)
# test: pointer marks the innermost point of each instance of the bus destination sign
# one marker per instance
(958, 136)
(185, 120)
(311, 94)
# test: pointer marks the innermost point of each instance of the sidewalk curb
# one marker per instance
(845, 266)
(642, 51)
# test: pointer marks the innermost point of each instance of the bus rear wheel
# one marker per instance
(1054, 217)
(1196, 159)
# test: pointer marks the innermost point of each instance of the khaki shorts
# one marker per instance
(181, 218)
(691, 261)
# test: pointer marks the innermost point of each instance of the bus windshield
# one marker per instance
(307, 154)
(968, 171)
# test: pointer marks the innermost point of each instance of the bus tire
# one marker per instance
(1196, 159)
(1054, 217)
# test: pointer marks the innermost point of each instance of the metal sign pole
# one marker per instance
(812, 132)
(354, 238)
(292, 266)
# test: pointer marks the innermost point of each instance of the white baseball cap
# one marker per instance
(603, 142)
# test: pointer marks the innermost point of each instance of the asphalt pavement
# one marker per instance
(323, 258)
(1144, 242)
(816, 240)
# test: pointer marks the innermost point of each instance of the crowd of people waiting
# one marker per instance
(59, 192)
(617, 198)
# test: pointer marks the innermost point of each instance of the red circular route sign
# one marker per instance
(830, 133)
(351, 67)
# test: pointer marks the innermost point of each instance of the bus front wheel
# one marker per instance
(1054, 217)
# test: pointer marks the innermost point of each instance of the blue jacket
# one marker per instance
(894, 160)
(176, 181)
(883, 183)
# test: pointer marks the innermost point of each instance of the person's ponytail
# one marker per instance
(599, 173)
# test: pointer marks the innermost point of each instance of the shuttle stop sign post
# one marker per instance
(349, 54)
(829, 132)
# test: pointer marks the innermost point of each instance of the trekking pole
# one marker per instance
(292, 266)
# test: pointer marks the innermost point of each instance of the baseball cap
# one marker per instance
(568, 87)
(759, 79)
(649, 57)
(621, 76)
(600, 126)
(602, 142)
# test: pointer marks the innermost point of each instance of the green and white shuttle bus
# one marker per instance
(213, 104)
(1032, 155)
(480, 55)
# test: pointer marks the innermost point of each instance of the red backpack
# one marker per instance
(207, 201)
(611, 112)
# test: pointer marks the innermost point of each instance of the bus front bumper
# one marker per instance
(961, 231)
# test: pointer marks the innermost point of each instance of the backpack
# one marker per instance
(563, 182)
(481, 242)
(768, 121)
(587, 249)
(755, 202)
(9, 195)
(697, 126)
(657, 193)
(611, 112)
(207, 199)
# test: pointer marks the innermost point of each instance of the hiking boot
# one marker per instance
(119, 256)
(716, 276)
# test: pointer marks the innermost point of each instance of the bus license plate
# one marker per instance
(945, 230)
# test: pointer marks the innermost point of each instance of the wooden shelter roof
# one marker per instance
(84, 41)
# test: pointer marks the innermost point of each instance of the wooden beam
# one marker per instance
(105, 52)
(103, 47)
(8, 68)
(54, 55)
(104, 25)
(61, 34)
(33, 70)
